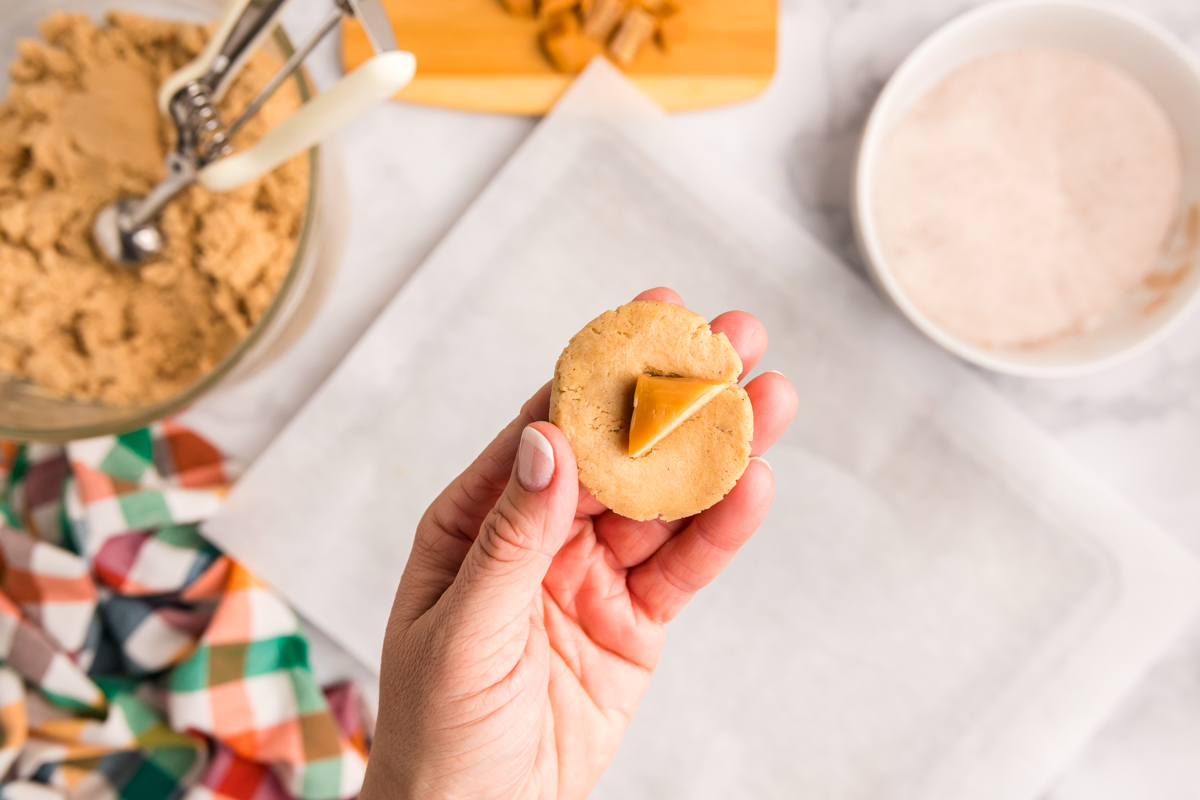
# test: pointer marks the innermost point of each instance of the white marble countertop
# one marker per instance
(411, 171)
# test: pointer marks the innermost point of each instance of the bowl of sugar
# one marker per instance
(1027, 189)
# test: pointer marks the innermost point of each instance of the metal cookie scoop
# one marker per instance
(127, 231)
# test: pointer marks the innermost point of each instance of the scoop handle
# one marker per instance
(372, 83)
(243, 26)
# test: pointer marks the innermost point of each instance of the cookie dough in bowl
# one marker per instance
(88, 348)
(591, 401)
(80, 128)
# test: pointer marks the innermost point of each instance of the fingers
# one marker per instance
(775, 402)
(774, 398)
(629, 542)
(520, 536)
(452, 522)
(689, 561)
(588, 504)
(744, 331)
(662, 294)
(746, 334)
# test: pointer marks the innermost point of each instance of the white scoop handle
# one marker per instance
(203, 63)
(372, 83)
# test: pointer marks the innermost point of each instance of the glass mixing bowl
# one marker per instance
(28, 413)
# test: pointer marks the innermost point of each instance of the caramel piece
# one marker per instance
(636, 30)
(603, 18)
(625, 26)
(568, 49)
(660, 405)
(659, 8)
(671, 30)
(518, 8)
(548, 9)
(669, 17)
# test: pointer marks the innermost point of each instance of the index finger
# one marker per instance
(687, 562)
(661, 294)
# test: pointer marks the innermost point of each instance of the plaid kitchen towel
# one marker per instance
(14, 722)
(25, 647)
(231, 777)
(33, 477)
(138, 662)
(249, 685)
(52, 587)
(28, 790)
(159, 476)
(346, 704)
(132, 754)
(163, 561)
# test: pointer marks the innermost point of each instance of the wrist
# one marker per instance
(385, 778)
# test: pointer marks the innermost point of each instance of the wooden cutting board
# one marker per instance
(473, 55)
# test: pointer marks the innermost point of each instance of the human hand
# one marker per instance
(529, 617)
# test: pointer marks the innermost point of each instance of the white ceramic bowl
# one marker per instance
(1125, 39)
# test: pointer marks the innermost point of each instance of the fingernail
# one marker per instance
(764, 462)
(535, 461)
(777, 372)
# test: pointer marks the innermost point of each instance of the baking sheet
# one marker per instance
(941, 603)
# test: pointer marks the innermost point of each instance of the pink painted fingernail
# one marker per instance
(535, 461)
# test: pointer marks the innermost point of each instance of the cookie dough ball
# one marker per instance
(592, 403)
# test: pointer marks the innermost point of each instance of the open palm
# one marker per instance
(527, 624)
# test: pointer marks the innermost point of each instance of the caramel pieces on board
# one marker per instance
(660, 405)
(574, 31)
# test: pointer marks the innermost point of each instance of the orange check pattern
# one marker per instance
(136, 661)
(249, 685)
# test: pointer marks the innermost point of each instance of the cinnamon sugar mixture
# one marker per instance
(81, 128)
(1027, 194)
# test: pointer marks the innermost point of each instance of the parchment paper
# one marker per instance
(941, 604)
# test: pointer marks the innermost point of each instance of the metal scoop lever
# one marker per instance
(127, 231)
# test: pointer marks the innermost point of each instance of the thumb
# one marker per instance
(520, 536)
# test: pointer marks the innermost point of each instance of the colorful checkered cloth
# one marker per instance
(138, 662)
